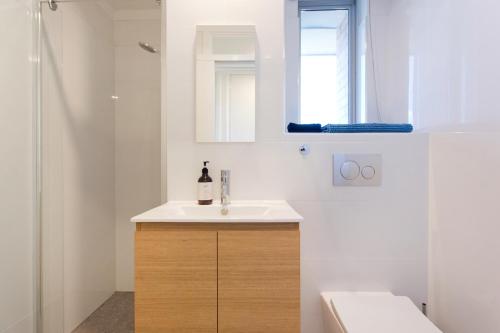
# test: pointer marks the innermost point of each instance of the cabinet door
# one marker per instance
(259, 281)
(176, 282)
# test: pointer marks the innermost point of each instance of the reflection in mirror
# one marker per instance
(345, 66)
(225, 83)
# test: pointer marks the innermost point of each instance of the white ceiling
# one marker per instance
(134, 4)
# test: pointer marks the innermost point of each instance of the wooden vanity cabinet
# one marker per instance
(226, 278)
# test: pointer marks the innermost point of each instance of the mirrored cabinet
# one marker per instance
(225, 83)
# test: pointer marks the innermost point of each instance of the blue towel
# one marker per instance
(304, 128)
(368, 128)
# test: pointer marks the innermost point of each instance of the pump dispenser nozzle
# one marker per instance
(205, 169)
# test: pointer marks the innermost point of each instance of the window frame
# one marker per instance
(350, 6)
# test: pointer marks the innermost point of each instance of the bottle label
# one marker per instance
(205, 191)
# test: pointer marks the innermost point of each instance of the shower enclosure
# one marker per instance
(80, 146)
(100, 149)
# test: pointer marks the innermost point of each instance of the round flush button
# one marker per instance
(349, 170)
(368, 172)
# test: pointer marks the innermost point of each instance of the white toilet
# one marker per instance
(364, 312)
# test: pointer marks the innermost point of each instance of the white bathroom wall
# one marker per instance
(456, 76)
(78, 162)
(464, 232)
(438, 59)
(137, 129)
(352, 238)
(17, 148)
(419, 63)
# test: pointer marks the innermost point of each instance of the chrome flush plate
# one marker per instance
(357, 169)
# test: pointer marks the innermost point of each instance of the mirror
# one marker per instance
(346, 64)
(225, 83)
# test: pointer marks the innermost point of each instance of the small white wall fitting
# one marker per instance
(357, 169)
(304, 150)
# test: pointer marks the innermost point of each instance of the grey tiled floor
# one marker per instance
(116, 315)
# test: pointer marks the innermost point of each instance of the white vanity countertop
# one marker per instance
(239, 212)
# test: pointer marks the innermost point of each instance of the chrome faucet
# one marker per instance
(225, 199)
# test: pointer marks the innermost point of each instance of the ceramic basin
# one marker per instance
(233, 211)
(239, 211)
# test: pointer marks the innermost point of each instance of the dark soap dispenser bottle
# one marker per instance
(205, 187)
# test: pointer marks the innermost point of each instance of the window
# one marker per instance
(326, 62)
